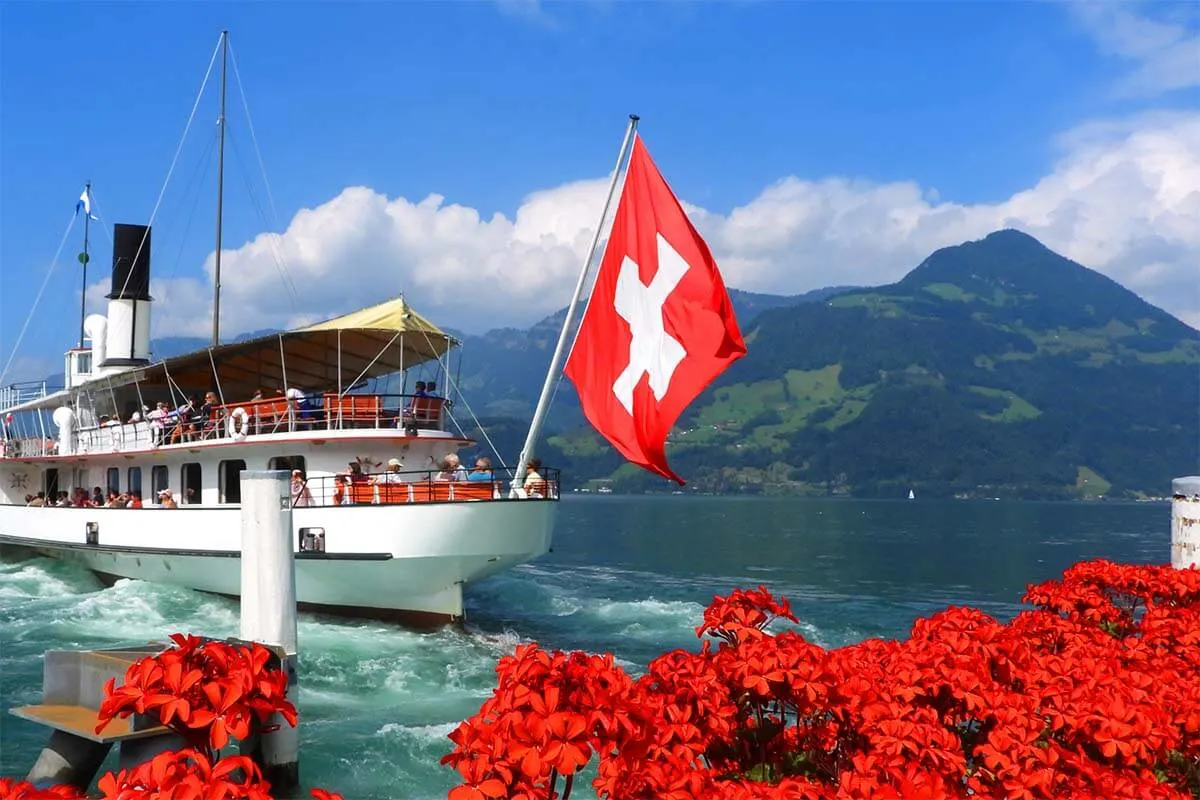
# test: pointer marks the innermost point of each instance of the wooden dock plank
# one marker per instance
(82, 722)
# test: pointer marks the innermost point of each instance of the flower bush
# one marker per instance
(1093, 693)
(205, 691)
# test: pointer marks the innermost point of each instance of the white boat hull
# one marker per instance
(406, 562)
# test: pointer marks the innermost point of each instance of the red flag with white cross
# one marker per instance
(659, 326)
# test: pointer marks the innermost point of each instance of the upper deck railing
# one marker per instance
(247, 420)
(18, 393)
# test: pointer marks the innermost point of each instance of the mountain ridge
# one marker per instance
(995, 367)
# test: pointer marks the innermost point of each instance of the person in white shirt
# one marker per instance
(299, 403)
(393, 473)
(157, 418)
(455, 469)
(535, 484)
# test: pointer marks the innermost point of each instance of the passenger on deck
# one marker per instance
(356, 473)
(393, 473)
(408, 416)
(97, 497)
(184, 420)
(535, 484)
(304, 412)
(166, 500)
(339, 490)
(38, 500)
(452, 469)
(300, 494)
(135, 500)
(482, 471)
(212, 418)
(158, 419)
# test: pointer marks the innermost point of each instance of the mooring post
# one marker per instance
(269, 612)
(1185, 522)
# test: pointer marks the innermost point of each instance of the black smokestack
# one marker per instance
(131, 262)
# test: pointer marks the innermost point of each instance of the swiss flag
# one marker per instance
(659, 326)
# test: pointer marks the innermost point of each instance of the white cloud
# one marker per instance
(1160, 40)
(1124, 199)
(529, 10)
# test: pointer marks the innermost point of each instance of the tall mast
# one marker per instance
(83, 259)
(216, 321)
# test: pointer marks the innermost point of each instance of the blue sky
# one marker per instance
(819, 143)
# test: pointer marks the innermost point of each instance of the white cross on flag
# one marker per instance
(659, 326)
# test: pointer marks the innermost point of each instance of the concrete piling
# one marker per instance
(72, 690)
(268, 612)
(1185, 522)
(68, 758)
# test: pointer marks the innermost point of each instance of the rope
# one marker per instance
(237, 75)
(45, 281)
(192, 183)
(454, 385)
(272, 237)
(175, 160)
(276, 253)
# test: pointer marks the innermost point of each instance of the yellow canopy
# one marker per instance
(390, 315)
(329, 355)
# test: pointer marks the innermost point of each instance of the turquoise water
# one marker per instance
(627, 575)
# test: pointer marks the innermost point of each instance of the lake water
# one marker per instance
(629, 575)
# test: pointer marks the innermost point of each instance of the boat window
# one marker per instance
(83, 363)
(158, 480)
(230, 480)
(287, 463)
(189, 483)
(113, 480)
(50, 487)
(133, 481)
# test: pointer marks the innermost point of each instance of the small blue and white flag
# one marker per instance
(85, 202)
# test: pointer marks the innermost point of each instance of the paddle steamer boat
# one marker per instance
(385, 542)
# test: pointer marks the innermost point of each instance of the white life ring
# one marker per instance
(237, 423)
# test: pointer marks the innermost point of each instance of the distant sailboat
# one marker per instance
(911, 495)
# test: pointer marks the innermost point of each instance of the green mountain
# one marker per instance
(995, 368)
(503, 370)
